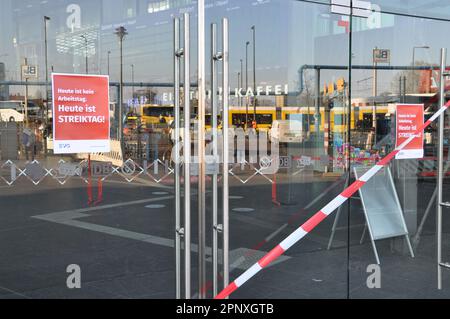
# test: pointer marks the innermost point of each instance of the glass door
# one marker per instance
(385, 91)
(236, 131)
(98, 225)
(288, 86)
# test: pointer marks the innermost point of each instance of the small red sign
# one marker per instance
(81, 121)
(409, 118)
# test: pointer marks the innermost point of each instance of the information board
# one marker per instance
(409, 117)
(81, 122)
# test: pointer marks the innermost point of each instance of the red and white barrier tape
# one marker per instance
(266, 240)
(315, 220)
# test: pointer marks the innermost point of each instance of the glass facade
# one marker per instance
(304, 82)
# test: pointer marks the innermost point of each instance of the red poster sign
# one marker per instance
(409, 118)
(81, 121)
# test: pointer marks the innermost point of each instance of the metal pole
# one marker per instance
(239, 86)
(132, 80)
(317, 111)
(121, 94)
(375, 93)
(404, 89)
(121, 32)
(187, 159)
(214, 58)
(440, 167)
(87, 58)
(26, 94)
(413, 64)
(46, 79)
(201, 151)
(26, 102)
(242, 79)
(178, 232)
(246, 84)
(347, 166)
(254, 73)
(109, 53)
(86, 52)
(116, 112)
(225, 72)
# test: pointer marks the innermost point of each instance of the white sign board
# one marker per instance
(382, 56)
(29, 71)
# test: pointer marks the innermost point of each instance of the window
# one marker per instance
(264, 118)
(158, 111)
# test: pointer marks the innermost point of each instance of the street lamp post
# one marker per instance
(25, 63)
(242, 79)
(246, 83)
(46, 19)
(132, 80)
(374, 93)
(254, 73)
(121, 32)
(86, 52)
(239, 86)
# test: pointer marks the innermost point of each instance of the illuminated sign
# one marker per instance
(268, 90)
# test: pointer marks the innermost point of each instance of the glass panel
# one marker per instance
(421, 8)
(376, 89)
(117, 223)
(280, 78)
(301, 124)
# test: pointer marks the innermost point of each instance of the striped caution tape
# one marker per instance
(250, 253)
(315, 220)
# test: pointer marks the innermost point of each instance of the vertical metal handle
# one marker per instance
(187, 158)
(225, 92)
(201, 151)
(176, 35)
(440, 167)
(214, 137)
